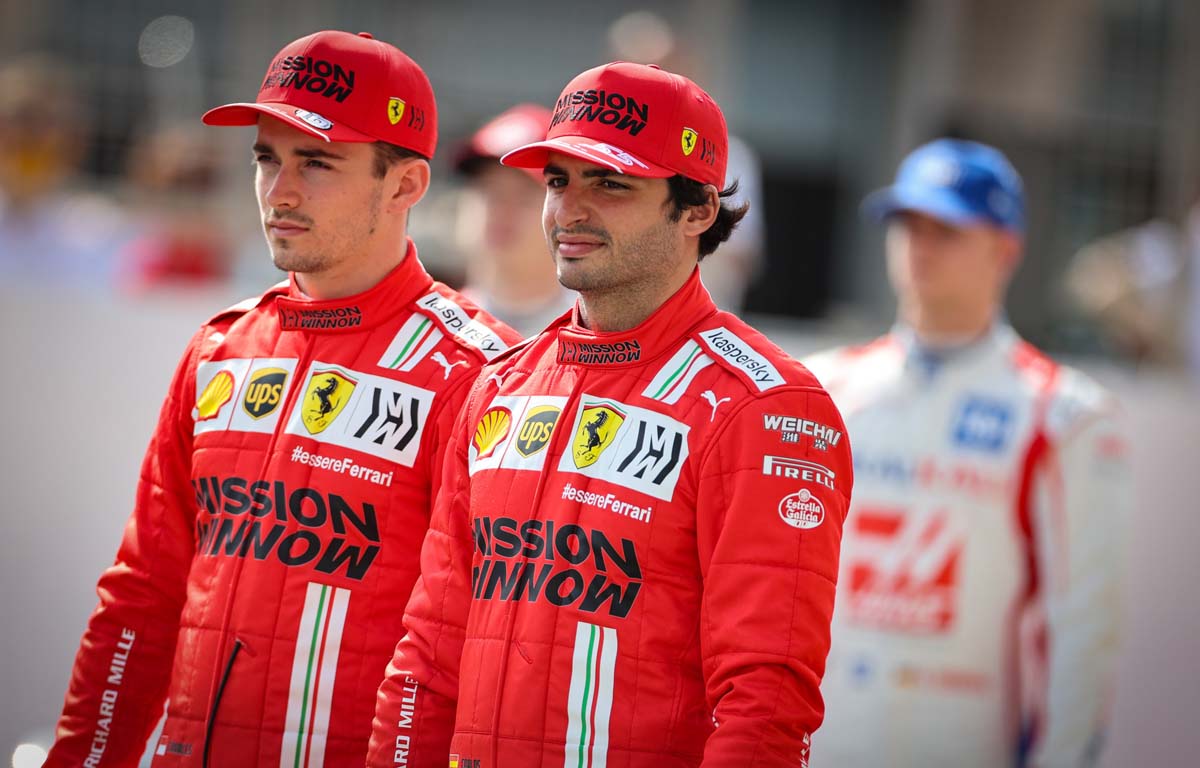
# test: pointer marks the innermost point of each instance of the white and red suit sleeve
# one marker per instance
(415, 706)
(1082, 496)
(122, 670)
(769, 528)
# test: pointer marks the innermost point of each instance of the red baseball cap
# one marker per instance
(637, 119)
(343, 87)
(512, 128)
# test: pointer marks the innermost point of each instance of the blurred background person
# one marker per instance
(181, 240)
(509, 272)
(977, 607)
(646, 37)
(1141, 288)
(52, 231)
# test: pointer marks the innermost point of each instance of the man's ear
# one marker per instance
(1011, 247)
(406, 183)
(698, 218)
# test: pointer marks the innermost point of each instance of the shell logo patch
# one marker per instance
(327, 394)
(688, 141)
(395, 109)
(490, 432)
(597, 429)
(218, 392)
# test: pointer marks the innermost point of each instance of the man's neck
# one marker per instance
(353, 276)
(620, 309)
(947, 329)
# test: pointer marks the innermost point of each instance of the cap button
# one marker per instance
(367, 35)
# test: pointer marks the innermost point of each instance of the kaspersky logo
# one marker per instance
(327, 394)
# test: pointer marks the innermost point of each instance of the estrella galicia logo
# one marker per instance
(983, 424)
(264, 392)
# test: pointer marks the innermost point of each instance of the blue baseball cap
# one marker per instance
(958, 182)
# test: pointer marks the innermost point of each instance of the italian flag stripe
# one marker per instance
(318, 642)
(411, 344)
(676, 375)
(589, 699)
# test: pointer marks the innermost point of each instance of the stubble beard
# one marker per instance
(626, 265)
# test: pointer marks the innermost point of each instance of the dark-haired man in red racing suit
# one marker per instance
(261, 581)
(633, 552)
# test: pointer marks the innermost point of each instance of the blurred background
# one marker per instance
(124, 223)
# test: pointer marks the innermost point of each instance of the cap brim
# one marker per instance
(939, 204)
(248, 113)
(536, 156)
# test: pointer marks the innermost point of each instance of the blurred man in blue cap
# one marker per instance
(976, 615)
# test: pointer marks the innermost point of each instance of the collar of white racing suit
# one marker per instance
(929, 360)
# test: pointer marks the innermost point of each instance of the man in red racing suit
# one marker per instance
(261, 581)
(628, 563)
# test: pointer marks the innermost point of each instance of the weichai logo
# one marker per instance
(264, 392)
(607, 107)
(306, 73)
(266, 520)
(565, 565)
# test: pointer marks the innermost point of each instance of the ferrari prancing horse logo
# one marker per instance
(597, 428)
(688, 141)
(395, 110)
(327, 394)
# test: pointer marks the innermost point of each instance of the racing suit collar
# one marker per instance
(402, 286)
(658, 334)
(929, 359)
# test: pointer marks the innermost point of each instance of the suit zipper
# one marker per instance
(212, 713)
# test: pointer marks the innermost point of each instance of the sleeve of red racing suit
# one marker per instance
(768, 546)
(1082, 497)
(122, 669)
(415, 706)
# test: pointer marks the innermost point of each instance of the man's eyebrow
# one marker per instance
(267, 149)
(591, 173)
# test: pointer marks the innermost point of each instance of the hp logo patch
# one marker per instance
(983, 424)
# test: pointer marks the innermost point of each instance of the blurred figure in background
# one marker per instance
(182, 242)
(977, 600)
(510, 272)
(50, 231)
(1141, 286)
(646, 37)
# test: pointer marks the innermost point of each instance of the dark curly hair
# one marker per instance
(686, 193)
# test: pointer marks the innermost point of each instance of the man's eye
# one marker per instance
(259, 159)
(318, 164)
(556, 182)
(610, 184)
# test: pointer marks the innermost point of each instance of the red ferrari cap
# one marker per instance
(515, 127)
(636, 119)
(344, 87)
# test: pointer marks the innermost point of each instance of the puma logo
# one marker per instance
(713, 401)
(441, 360)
